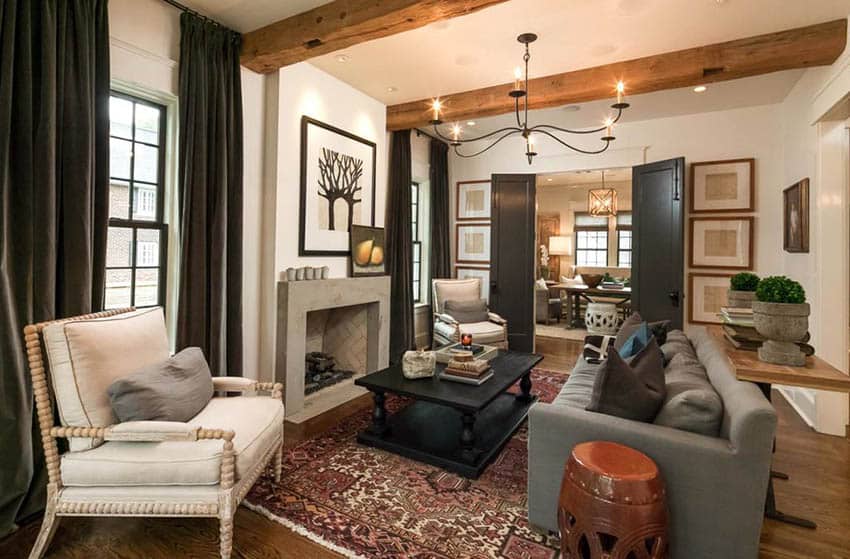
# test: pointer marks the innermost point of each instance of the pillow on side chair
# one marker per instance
(467, 312)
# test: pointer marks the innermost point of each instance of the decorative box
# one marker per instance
(418, 364)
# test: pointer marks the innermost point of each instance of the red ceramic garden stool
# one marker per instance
(612, 504)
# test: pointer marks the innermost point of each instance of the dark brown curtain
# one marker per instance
(440, 220)
(209, 312)
(400, 245)
(54, 201)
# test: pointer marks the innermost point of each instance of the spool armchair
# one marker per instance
(447, 328)
(128, 469)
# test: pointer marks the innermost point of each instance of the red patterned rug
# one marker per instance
(364, 502)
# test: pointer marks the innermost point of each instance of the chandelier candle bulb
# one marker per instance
(436, 107)
(621, 88)
(517, 78)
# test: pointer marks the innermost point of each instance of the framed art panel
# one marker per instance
(467, 272)
(472, 243)
(722, 242)
(473, 200)
(795, 219)
(707, 293)
(337, 187)
(723, 186)
(367, 251)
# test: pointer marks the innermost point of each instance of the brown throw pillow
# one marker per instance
(467, 312)
(174, 390)
(633, 389)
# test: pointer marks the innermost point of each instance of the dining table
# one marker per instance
(576, 292)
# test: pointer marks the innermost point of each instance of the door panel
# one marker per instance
(512, 256)
(658, 227)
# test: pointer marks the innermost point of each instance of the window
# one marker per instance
(137, 239)
(624, 239)
(591, 240)
(417, 242)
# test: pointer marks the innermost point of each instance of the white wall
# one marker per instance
(303, 89)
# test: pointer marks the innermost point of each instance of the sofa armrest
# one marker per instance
(447, 318)
(493, 317)
(233, 384)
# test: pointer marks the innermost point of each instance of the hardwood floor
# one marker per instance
(819, 489)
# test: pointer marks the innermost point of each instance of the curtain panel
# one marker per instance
(54, 203)
(400, 245)
(440, 219)
(209, 313)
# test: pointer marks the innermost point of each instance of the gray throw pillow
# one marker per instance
(174, 390)
(691, 404)
(678, 342)
(632, 389)
(467, 312)
(659, 329)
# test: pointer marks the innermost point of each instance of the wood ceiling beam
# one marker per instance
(803, 47)
(341, 24)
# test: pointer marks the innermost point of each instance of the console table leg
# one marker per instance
(379, 414)
(525, 387)
(467, 437)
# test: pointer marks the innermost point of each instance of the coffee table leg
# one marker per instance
(467, 437)
(379, 414)
(525, 387)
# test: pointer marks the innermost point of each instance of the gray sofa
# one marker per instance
(716, 485)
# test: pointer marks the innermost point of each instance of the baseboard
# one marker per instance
(787, 394)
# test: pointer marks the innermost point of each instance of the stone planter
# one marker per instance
(741, 299)
(783, 324)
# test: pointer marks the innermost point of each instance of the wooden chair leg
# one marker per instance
(45, 534)
(278, 464)
(226, 537)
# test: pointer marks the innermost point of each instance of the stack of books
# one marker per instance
(468, 371)
(739, 328)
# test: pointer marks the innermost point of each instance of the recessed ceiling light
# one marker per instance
(470, 123)
(700, 89)
(549, 179)
(341, 58)
(392, 89)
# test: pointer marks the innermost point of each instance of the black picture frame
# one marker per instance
(795, 217)
(378, 236)
(306, 122)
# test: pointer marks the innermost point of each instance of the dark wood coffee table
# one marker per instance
(455, 426)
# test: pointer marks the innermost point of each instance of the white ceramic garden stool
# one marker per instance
(602, 319)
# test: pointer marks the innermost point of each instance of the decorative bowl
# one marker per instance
(592, 280)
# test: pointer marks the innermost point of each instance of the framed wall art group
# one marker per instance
(472, 232)
(720, 231)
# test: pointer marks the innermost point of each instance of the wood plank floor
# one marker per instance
(819, 489)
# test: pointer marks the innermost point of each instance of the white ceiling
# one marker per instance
(480, 49)
(247, 15)
(590, 178)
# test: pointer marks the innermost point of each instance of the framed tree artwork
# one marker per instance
(473, 243)
(796, 217)
(707, 294)
(723, 186)
(337, 188)
(722, 242)
(473, 200)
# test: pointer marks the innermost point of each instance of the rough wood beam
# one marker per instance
(815, 45)
(341, 24)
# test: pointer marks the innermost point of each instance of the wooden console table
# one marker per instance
(817, 374)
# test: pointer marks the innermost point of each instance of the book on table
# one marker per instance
(475, 381)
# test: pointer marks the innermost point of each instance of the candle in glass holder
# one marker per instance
(466, 340)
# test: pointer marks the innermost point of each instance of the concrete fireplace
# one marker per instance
(345, 317)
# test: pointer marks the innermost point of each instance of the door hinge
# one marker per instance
(676, 194)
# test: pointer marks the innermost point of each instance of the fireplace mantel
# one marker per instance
(295, 299)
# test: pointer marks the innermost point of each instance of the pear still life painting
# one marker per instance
(367, 251)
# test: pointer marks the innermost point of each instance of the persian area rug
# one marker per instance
(365, 502)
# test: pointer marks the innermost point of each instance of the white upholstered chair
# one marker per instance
(203, 467)
(447, 330)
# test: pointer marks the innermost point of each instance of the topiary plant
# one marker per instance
(745, 281)
(780, 289)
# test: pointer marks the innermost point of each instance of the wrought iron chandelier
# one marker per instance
(520, 91)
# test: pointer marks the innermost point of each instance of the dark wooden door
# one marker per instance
(512, 255)
(658, 201)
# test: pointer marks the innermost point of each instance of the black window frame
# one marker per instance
(158, 223)
(416, 192)
(586, 228)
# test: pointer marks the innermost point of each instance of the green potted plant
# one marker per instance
(742, 290)
(781, 315)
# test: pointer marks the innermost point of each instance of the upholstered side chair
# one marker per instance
(447, 329)
(203, 467)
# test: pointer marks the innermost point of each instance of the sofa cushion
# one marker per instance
(484, 332)
(678, 342)
(691, 404)
(176, 389)
(578, 389)
(474, 310)
(256, 420)
(632, 390)
(86, 356)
